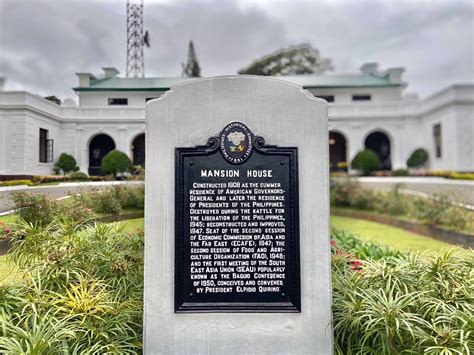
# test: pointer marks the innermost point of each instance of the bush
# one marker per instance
(116, 162)
(366, 161)
(139, 172)
(82, 292)
(15, 182)
(39, 209)
(115, 198)
(34, 208)
(107, 201)
(392, 203)
(136, 198)
(5, 231)
(418, 158)
(387, 302)
(79, 175)
(431, 210)
(341, 192)
(66, 163)
(349, 193)
(457, 217)
(400, 172)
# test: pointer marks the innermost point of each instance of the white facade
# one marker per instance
(407, 122)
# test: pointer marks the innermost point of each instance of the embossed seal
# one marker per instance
(236, 142)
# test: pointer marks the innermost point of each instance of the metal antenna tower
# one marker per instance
(135, 40)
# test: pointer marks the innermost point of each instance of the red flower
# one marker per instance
(356, 263)
(7, 230)
(333, 242)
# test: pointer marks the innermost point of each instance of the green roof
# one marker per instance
(306, 81)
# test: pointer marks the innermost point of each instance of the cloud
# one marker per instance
(43, 43)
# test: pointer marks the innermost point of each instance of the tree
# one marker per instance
(116, 162)
(191, 69)
(300, 59)
(366, 161)
(418, 158)
(66, 163)
(54, 99)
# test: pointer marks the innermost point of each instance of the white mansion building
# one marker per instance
(367, 109)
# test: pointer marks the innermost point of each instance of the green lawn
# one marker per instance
(8, 272)
(371, 231)
(132, 224)
(10, 218)
(397, 238)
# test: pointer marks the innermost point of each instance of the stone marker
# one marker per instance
(237, 255)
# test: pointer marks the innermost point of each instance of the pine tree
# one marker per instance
(191, 69)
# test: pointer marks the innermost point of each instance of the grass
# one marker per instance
(397, 238)
(9, 273)
(132, 224)
(9, 218)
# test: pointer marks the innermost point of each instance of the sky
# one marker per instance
(43, 43)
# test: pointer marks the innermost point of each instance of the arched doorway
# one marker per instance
(99, 146)
(337, 152)
(138, 150)
(380, 144)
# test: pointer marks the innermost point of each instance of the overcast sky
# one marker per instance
(43, 43)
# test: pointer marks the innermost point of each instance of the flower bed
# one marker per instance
(387, 302)
(448, 236)
(84, 287)
(438, 211)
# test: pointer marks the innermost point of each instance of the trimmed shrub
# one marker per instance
(418, 158)
(15, 182)
(400, 172)
(462, 176)
(66, 163)
(116, 162)
(366, 161)
(79, 175)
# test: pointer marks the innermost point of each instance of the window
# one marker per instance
(150, 98)
(328, 98)
(45, 147)
(437, 139)
(116, 101)
(361, 97)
